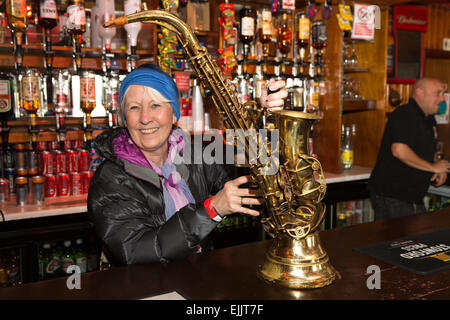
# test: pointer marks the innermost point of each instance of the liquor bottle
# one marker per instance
(247, 32)
(16, 15)
(106, 12)
(6, 111)
(284, 39)
(6, 97)
(260, 83)
(87, 92)
(284, 34)
(48, 19)
(303, 37)
(265, 34)
(132, 29)
(319, 42)
(31, 91)
(347, 150)
(76, 26)
(68, 258)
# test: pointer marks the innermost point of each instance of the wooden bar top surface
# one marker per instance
(231, 273)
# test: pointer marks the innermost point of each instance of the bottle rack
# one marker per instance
(47, 128)
(34, 57)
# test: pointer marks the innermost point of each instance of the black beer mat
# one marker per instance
(421, 254)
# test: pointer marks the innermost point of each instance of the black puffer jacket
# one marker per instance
(126, 204)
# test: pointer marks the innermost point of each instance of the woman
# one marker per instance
(145, 207)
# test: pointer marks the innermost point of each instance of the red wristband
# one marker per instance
(211, 211)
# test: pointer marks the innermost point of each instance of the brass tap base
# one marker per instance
(298, 263)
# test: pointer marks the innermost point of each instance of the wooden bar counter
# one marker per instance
(231, 273)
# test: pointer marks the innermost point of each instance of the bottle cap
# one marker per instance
(21, 180)
(37, 179)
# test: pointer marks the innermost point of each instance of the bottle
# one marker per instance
(313, 96)
(265, 29)
(48, 19)
(284, 40)
(16, 15)
(304, 27)
(15, 272)
(47, 15)
(31, 100)
(132, 29)
(68, 257)
(44, 259)
(289, 102)
(6, 97)
(284, 34)
(80, 255)
(347, 150)
(106, 11)
(247, 30)
(87, 92)
(319, 42)
(76, 24)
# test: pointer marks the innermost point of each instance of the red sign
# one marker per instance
(182, 81)
(411, 18)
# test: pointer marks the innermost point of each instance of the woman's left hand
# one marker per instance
(274, 101)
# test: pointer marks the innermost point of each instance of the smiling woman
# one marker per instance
(145, 206)
(149, 117)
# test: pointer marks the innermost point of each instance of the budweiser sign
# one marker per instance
(411, 18)
(403, 20)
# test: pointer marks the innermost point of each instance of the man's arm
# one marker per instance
(406, 155)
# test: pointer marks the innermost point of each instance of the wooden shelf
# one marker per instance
(355, 70)
(47, 128)
(358, 105)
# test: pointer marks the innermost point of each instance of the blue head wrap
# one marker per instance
(151, 76)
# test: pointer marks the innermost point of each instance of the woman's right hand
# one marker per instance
(232, 198)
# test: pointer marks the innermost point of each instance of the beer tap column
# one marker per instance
(132, 29)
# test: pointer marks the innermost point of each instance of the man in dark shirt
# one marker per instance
(405, 164)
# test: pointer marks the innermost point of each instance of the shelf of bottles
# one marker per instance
(58, 94)
(54, 257)
(274, 42)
